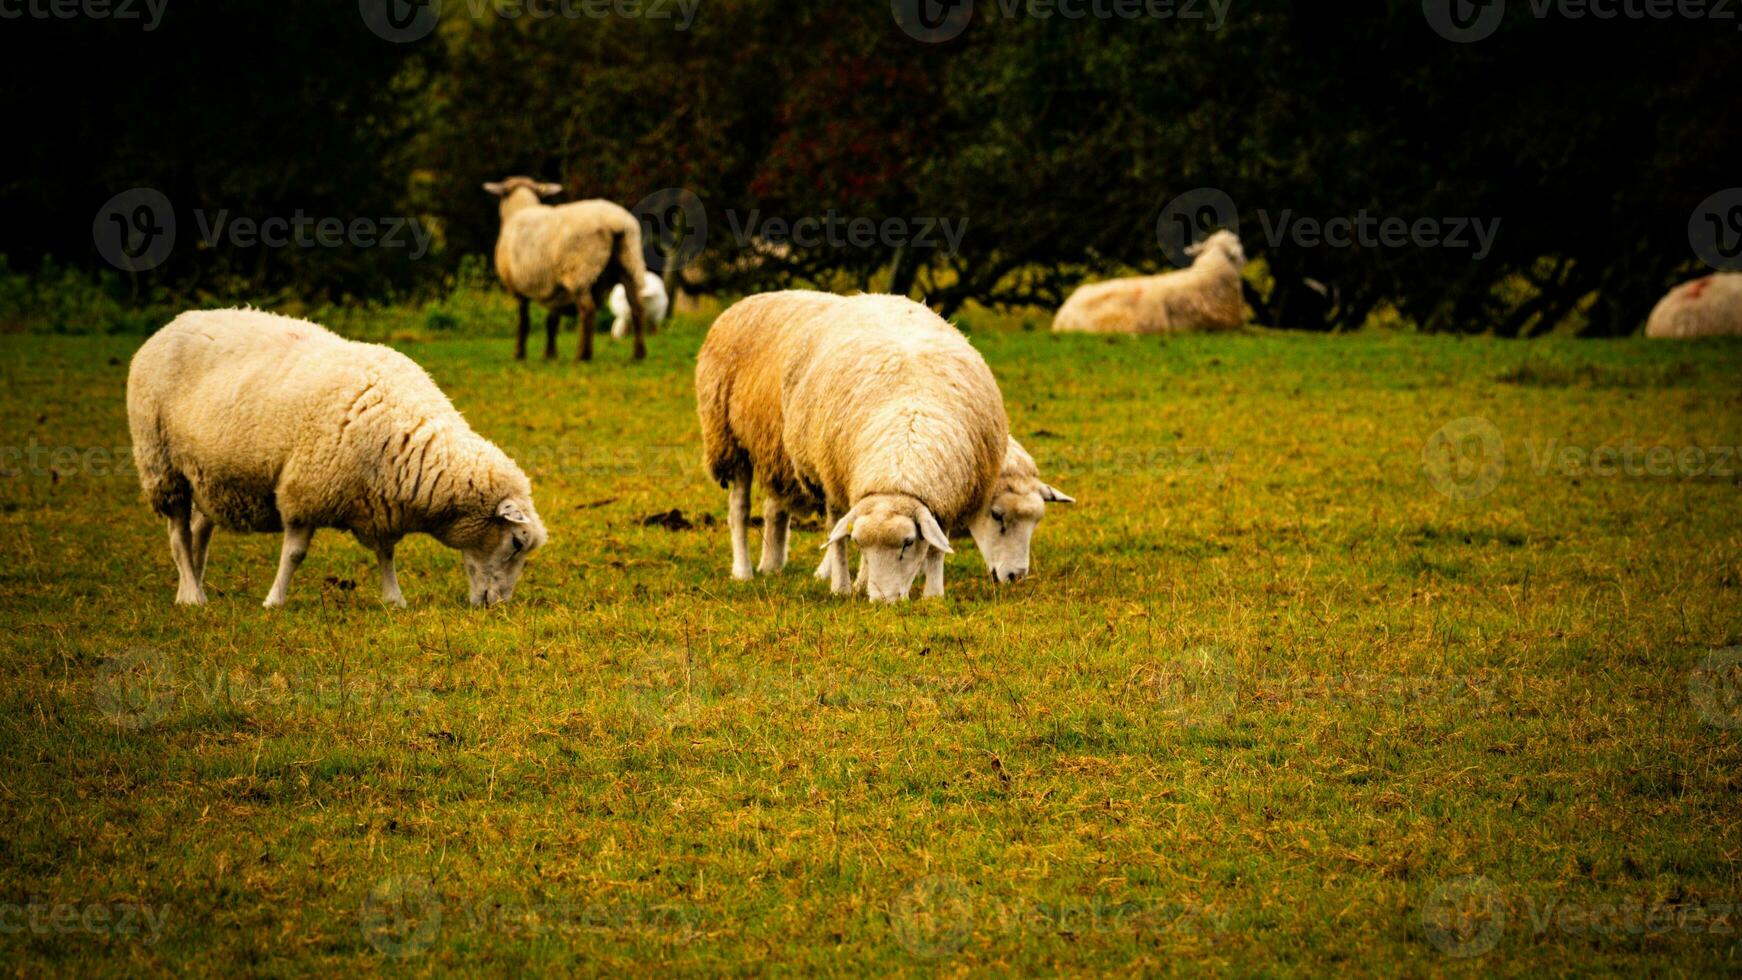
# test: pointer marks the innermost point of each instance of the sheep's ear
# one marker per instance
(546, 190)
(843, 527)
(933, 532)
(1196, 249)
(510, 511)
(1053, 495)
(495, 187)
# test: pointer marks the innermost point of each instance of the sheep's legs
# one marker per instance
(296, 541)
(552, 323)
(525, 328)
(587, 312)
(840, 570)
(181, 548)
(934, 574)
(202, 545)
(776, 522)
(390, 593)
(637, 315)
(738, 519)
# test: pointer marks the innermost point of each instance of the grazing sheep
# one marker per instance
(566, 259)
(870, 408)
(255, 422)
(653, 301)
(1709, 307)
(1206, 296)
(1004, 531)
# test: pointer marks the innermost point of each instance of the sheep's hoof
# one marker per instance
(197, 599)
(272, 602)
(743, 574)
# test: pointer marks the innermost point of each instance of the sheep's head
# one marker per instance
(1224, 244)
(1004, 531)
(518, 192)
(895, 534)
(495, 549)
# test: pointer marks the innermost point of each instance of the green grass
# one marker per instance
(1267, 702)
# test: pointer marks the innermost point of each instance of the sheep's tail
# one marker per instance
(166, 488)
(632, 272)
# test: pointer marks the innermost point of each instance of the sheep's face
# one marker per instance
(895, 535)
(1223, 244)
(1004, 531)
(496, 553)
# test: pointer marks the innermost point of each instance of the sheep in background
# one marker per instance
(251, 421)
(653, 301)
(1206, 296)
(869, 407)
(1709, 307)
(566, 259)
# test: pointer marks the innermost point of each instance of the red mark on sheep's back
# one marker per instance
(1697, 288)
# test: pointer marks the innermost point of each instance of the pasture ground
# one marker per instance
(1274, 701)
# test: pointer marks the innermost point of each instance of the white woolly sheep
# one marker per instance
(1004, 531)
(869, 407)
(1206, 296)
(250, 421)
(653, 301)
(566, 259)
(1709, 307)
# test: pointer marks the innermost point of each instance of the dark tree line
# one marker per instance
(1053, 145)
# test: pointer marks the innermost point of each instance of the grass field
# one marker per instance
(1284, 694)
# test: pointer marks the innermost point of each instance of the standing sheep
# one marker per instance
(653, 300)
(1004, 530)
(1709, 307)
(566, 258)
(1206, 296)
(255, 422)
(871, 408)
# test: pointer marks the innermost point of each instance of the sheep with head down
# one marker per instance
(567, 258)
(653, 300)
(870, 408)
(1004, 530)
(250, 421)
(1205, 296)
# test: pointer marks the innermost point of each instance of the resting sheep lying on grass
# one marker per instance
(653, 301)
(255, 422)
(566, 259)
(871, 407)
(1206, 296)
(1709, 307)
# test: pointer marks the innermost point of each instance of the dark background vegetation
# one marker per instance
(1058, 141)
